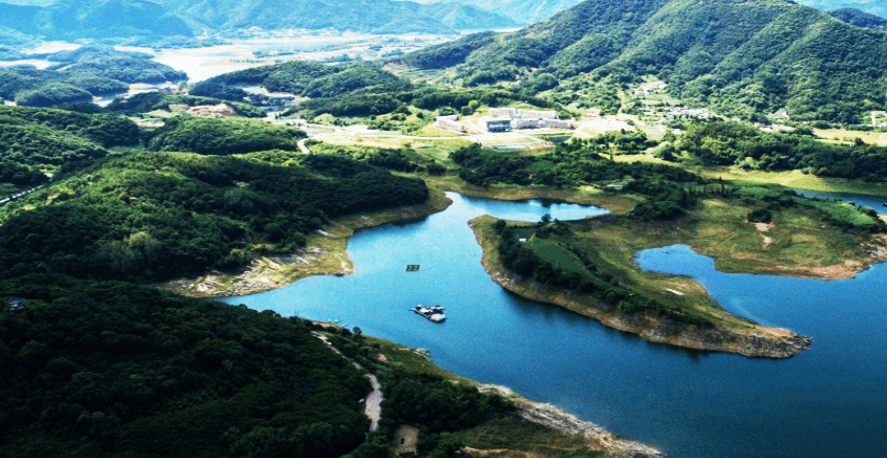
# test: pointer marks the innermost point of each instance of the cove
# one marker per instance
(828, 401)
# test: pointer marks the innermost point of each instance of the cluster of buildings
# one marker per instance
(506, 120)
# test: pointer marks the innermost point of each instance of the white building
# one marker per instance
(450, 123)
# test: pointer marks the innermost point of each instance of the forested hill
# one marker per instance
(738, 56)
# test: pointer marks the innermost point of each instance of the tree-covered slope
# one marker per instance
(155, 216)
(51, 138)
(741, 57)
(311, 79)
(115, 369)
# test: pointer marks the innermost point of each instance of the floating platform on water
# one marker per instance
(413, 268)
(434, 314)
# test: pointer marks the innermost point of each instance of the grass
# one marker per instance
(431, 131)
(512, 437)
(849, 136)
(553, 253)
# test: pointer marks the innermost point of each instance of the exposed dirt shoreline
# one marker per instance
(760, 341)
(325, 254)
(557, 419)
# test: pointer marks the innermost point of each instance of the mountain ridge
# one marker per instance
(769, 55)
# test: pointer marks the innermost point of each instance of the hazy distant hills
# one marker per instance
(750, 56)
(521, 11)
(860, 18)
(75, 19)
(876, 7)
(361, 15)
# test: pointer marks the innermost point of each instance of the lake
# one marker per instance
(828, 401)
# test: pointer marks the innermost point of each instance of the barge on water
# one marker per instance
(434, 314)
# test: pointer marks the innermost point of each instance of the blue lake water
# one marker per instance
(829, 401)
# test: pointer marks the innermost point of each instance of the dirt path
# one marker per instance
(373, 408)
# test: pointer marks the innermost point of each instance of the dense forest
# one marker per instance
(223, 136)
(53, 137)
(127, 370)
(154, 216)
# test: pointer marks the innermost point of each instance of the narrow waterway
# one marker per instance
(829, 401)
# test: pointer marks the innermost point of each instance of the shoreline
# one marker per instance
(760, 342)
(325, 253)
(540, 413)
(555, 418)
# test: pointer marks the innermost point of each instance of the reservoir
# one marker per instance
(828, 401)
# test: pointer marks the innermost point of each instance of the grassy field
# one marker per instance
(849, 136)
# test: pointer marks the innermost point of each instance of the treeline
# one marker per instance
(580, 163)
(727, 143)
(387, 99)
(592, 279)
(403, 160)
(129, 370)
(222, 136)
(155, 216)
(311, 79)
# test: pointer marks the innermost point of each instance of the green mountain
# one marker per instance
(876, 7)
(741, 57)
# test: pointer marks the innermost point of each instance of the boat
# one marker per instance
(434, 314)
